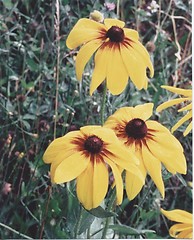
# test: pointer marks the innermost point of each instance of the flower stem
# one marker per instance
(78, 223)
(110, 206)
(103, 104)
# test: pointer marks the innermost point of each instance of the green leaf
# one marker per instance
(87, 220)
(123, 229)
(101, 213)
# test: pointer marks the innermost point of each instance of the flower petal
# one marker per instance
(178, 215)
(85, 187)
(188, 129)
(143, 53)
(109, 22)
(102, 57)
(188, 107)
(181, 121)
(131, 34)
(60, 145)
(117, 76)
(166, 148)
(136, 68)
(169, 103)
(184, 92)
(84, 31)
(143, 111)
(69, 168)
(100, 182)
(153, 167)
(133, 183)
(118, 180)
(84, 55)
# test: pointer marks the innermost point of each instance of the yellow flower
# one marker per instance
(184, 227)
(187, 93)
(87, 155)
(151, 142)
(119, 54)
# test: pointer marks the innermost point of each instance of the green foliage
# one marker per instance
(32, 113)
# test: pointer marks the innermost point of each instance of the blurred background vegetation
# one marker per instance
(40, 99)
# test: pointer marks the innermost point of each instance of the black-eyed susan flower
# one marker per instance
(151, 142)
(187, 93)
(119, 54)
(87, 155)
(184, 227)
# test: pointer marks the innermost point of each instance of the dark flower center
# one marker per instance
(115, 34)
(136, 128)
(93, 144)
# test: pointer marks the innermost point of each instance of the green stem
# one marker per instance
(78, 224)
(110, 206)
(103, 104)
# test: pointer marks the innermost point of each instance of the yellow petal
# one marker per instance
(178, 215)
(61, 144)
(188, 107)
(143, 111)
(100, 183)
(184, 92)
(118, 180)
(70, 168)
(135, 66)
(188, 129)
(109, 22)
(131, 34)
(167, 149)
(143, 53)
(133, 183)
(117, 76)
(181, 121)
(170, 103)
(85, 187)
(153, 166)
(184, 234)
(53, 149)
(121, 116)
(84, 31)
(84, 56)
(102, 57)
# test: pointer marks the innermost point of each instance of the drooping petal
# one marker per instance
(136, 68)
(118, 180)
(117, 76)
(172, 158)
(109, 22)
(84, 55)
(178, 215)
(184, 92)
(188, 129)
(85, 187)
(133, 183)
(69, 168)
(169, 103)
(181, 121)
(153, 166)
(167, 149)
(102, 57)
(100, 183)
(84, 31)
(180, 230)
(143, 53)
